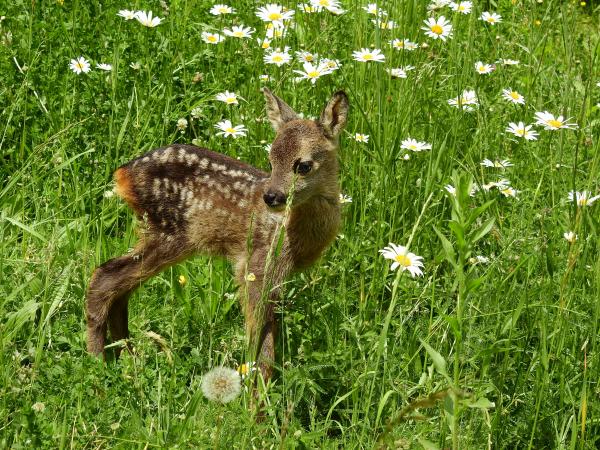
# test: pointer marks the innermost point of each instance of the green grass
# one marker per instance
(496, 355)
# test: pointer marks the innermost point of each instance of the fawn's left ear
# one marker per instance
(335, 115)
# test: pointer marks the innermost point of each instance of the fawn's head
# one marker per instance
(304, 154)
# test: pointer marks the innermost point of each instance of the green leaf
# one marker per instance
(482, 403)
(448, 249)
(478, 211)
(427, 445)
(483, 230)
(438, 360)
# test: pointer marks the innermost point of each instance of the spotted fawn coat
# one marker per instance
(190, 201)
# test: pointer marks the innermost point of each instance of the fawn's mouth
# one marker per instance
(276, 208)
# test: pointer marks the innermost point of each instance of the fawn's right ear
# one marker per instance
(278, 111)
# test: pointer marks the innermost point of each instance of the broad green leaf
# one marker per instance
(438, 360)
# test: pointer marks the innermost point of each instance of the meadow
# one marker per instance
(491, 343)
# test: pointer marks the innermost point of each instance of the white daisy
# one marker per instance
(212, 38)
(384, 24)
(239, 31)
(305, 56)
(522, 131)
(582, 198)
(414, 145)
(274, 13)
(467, 101)
(227, 129)
(146, 19)
(461, 7)
(264, 43)
(219, 10)
(312, 72)
(227, 97)
(104, 66)
(513, 96)
(503, 164)
(358, 137)
(508, 62)
(438, 29)
(278, 57)
(309, 9)
(366, 55)
(550, 122)
(437, 4)
(373, 9)
(483, 69)
(404, 44)
(79, 65)
(126, 14)
(491, 18)
(333, 6)
(570, 236)
(509, 191)
(345, 199)
(450, 189)
(403, 259)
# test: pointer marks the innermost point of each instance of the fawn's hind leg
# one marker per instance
(113, 282)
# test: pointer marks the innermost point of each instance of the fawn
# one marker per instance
(190, 201)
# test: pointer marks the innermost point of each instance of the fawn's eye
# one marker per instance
(302, 167)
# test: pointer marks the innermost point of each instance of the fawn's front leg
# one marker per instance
(259, 297)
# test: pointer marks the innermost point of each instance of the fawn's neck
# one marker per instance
(311, 227)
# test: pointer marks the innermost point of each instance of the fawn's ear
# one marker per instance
(335, 115)
(278, 111)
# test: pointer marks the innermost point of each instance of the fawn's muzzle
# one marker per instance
(274, 198)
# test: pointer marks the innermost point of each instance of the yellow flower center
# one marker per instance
(555, 123)
(230, 130)
(403, 260)
(230, 100)
(79, 65)
(212, 39)
(412, 146)
(277, 58)
(309, 58)
(265, 44)
(275, 16)
(313, 74)
(497, 164)
(461, 8)
(368, 56)
(515, 95)
(324, 2)
(243, 369)
(238, 34)
(437, 29)
(582, 201)
(520, 131)
(491, 20)
(222, 10)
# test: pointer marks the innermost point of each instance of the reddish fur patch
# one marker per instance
(124, 187)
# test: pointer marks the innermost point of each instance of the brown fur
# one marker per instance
(190, 200)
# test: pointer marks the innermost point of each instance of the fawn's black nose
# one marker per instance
(274, 198)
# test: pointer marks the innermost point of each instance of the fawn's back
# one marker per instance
(194, 197)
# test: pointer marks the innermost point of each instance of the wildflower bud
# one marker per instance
(182, 280)
(198, 78)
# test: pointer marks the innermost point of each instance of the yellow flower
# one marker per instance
(182, 280)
